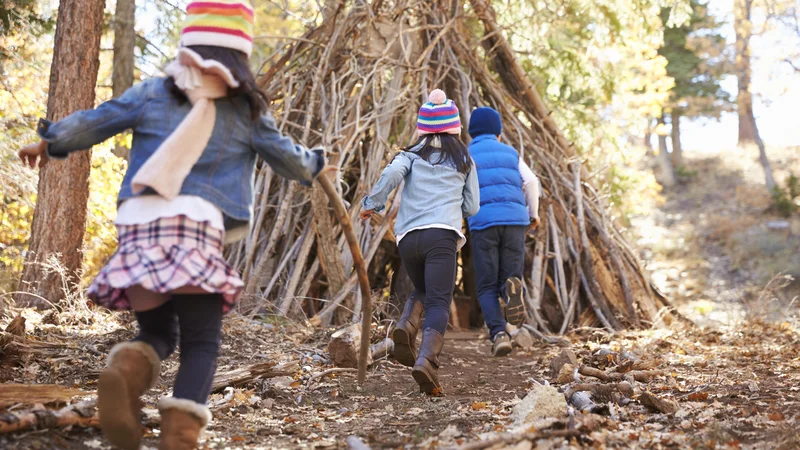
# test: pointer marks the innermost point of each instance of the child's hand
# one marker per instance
(366, 214)
(535, 223)
(31, 153)
(328, 169)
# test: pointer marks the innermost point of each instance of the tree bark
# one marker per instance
(748, 130)
(59, 220)
(124, 42)
(665, 173)
(744, 101)
(677, 150)
(648, 134)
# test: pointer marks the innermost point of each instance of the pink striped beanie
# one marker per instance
(220, 23)
(439, 115)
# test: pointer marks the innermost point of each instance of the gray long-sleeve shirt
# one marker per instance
(434, 196)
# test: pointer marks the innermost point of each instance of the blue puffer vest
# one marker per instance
(502, 199)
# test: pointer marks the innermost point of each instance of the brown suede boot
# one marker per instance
(405, 333)
(132, 370)
(182, 422)
(426, 369)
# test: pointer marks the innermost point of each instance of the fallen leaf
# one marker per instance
(698, 396)
(476, 406)
(296, 384)
(776, 416)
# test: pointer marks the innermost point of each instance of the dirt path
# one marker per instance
(735, 389)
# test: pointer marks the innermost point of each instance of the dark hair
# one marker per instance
(236, 62)
(453, 151)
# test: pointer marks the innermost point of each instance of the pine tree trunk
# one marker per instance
(59, 220)
(744, 100)
(666, 173)
(677, 150)
(124, 42)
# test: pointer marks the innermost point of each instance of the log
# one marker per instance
(81, 415)
(344, 345)
(382, 349)
(245, 375)
(31, 394)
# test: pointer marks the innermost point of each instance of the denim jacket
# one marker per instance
(225, 172)
(432, 194)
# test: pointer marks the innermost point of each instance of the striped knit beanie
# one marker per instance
(220, 23)
(439, 115)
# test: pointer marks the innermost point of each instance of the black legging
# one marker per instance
(197, 320)
(429, 256)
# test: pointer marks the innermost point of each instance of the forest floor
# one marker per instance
(735, 377)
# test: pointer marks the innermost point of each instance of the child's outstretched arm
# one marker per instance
(530, 186)
(391, 177)
(471, 196)
(286, 158)
(83, 129)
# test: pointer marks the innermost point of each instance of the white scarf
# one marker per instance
(202, 81)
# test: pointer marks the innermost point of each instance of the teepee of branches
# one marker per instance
(353, 85)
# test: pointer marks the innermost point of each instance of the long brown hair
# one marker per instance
(453, 151)
(237, 63)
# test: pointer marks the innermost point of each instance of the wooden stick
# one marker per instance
(361, 270)
(81, 415)
(513, 438)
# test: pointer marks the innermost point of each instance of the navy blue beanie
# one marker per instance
(485, 120)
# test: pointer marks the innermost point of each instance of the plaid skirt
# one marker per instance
(165, 255)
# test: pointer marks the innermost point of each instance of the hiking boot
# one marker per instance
(426, 369)
(133, 369)
(182, 421)
(501, 344)
(405, 333)
(515, 304)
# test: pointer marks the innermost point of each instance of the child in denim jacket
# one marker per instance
(188, 189)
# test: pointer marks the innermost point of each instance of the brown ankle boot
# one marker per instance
(182, 421)
(405, 333)
(132, 370)
(426, 369)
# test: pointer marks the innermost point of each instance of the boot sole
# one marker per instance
(403, 348)
(502, 350)
(425, 381)
(515, 310)
(116, 420)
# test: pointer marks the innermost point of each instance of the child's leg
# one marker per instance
(200, 318)
(440, 274)
(405, 333)
(512, 263)
(133, 368)
(185, 414)
(486, 257)
(159, 328)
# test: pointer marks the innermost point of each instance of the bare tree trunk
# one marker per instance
(744, 100)
(124, 42)
(769, 178)
(748, 130)
(677, 150)
(665, 173)
(648, 135)
(59, 221)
